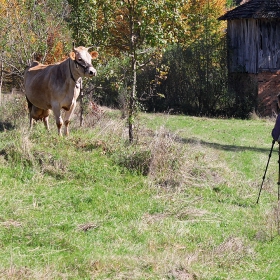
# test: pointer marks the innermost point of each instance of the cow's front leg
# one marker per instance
(58, 118)
(67, 118)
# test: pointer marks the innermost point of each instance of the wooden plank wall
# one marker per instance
(254, 44)
(269, 48)
(243, 45)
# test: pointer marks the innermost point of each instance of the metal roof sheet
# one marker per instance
(254, 9)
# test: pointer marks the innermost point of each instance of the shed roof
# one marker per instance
(255, 9)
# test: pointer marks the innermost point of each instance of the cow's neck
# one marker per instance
(71, 73)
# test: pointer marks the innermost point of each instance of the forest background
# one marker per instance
(156, 56)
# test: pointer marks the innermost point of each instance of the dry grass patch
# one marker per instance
(10, 223)
(16, 273)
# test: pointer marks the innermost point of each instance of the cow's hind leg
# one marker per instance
(45, 117)
(58, 118)
(46, 122)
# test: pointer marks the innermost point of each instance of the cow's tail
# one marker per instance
(29, 110)
(29, 104)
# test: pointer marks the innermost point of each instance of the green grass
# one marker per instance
(81, 208)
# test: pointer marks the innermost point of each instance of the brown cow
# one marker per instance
(57, 86)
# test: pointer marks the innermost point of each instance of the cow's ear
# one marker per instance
(72, 55)
(94, 54)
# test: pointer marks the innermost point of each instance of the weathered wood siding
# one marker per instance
(254, 45)
(269, 45)
(243, 45)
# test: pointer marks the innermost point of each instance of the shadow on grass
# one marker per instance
(232, 148)
(6, 126)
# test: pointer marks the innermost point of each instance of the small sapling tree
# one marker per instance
(135, 29)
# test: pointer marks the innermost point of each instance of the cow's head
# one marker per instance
(82, 59)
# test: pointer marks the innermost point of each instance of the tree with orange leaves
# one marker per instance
(31, 30)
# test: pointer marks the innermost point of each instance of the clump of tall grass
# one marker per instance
(18, 150)
(166, 158)
(12, 111)
(15, 146)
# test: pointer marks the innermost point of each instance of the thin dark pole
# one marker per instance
(279, 174)
(278, 183)
(269, 156)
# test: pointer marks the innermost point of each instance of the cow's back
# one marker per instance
(42, 83)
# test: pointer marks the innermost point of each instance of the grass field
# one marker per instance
(180, 203)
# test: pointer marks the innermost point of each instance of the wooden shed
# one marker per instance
(253, 31)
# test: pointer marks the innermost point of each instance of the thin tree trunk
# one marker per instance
(133, 56)
(131, 109)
